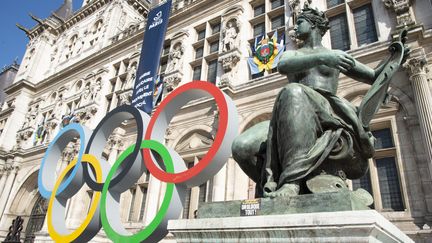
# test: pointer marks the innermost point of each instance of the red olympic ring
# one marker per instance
(205, 161)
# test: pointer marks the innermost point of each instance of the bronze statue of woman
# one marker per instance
(312, 131)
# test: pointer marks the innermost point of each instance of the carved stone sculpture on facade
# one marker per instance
(95, 91)
(125, 98)
(86, 96)
(230, 34)
(175, 58)
(131, 79)
(315, 140)
(402, 8)
(30, 118)
(58, 107)
(172, 81)
(229, 65)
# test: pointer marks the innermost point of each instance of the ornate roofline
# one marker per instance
(65, 24)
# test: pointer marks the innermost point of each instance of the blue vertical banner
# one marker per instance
(154, 36)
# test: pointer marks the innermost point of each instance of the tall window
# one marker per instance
(339, 32)
(391, 196)
(206, 50)
(132, 204)
(365, 25)
(385, 184)
(212, 71)
(197, 73)
(37, 218)
(143, 202)
(202, 193)
(344, 14)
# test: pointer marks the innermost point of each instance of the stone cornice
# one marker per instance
(20, 85)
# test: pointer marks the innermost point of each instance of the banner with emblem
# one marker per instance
(266, 53)
(146, 76)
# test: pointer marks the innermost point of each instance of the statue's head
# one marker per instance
(310, 19)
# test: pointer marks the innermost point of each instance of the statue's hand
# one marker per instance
(339, 59)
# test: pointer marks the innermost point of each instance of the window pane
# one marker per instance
(216, 28)
(199, 52)
(391, 195)
(214, 47)
(259, 29)
(166, 50)
(143, 201)
(277, 22)
(201, 34)
(258, 10)
(383, 138)
(202, 193)
(131, 210)
(212, 71)
(163, 67)
(364, 183)
(365, 25)
(339, 32)
(197, 73)
(332, 3)
(277, 3)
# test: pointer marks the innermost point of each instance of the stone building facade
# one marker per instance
(79, 66)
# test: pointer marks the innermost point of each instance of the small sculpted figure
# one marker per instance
(230, 37)
(312, 131)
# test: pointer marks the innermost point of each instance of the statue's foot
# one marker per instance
(287, 190)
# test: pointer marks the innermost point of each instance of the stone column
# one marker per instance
(116, 143)
(423, 99)
(7, 189)
(3, 180)
(219, 185)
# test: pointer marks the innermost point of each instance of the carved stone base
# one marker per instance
(172, 80)
(229, 62)
(349, 226)
(321, 202)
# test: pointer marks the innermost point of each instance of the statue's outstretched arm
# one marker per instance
(295, 61)
(364, 73)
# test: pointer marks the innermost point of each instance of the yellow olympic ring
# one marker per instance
(56, 236)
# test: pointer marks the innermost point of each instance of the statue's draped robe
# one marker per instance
(304, 124)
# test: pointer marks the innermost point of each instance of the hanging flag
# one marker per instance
(154, 36)
(267, 52)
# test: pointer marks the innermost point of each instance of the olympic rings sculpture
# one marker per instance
(109, 182)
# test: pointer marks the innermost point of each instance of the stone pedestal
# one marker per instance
(346, 226)
(309, 203)
(323, 217)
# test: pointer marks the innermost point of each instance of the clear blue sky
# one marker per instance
(12, 40)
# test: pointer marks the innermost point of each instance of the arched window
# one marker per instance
(36, 219)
